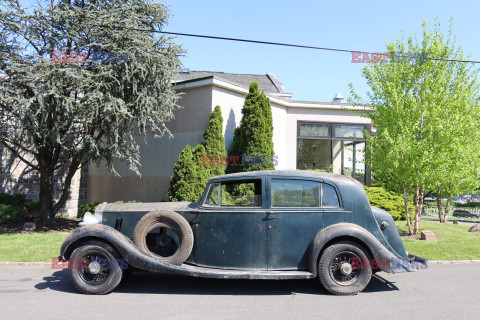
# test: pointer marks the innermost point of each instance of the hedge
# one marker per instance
(389, 201)
(13, 208)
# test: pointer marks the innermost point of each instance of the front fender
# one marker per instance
(349, 231)
(119, 241)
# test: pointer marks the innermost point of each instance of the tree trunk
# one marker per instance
(439, 206)
(447, 207)
(417, 208)
(407, 210)
(45, 197)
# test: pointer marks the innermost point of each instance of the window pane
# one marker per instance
(314, 154)
(295, 193)
(329, 196)
(349, 159)
(213, 195)
(349, 131)
(314, 130)
(242, 194)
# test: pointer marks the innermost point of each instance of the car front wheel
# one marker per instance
(95, 268)
(344, 268)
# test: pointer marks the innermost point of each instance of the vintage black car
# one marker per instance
(253, 225)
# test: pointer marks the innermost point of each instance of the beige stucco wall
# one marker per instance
(158, 155)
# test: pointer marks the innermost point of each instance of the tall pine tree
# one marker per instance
(253, 140)
(202, 173)
(184, 180)
(214, 142)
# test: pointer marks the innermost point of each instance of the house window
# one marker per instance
(332, 147)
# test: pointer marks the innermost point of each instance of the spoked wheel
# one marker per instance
(94, 271)
(164, 235)
(94, 268)
(337, 272)
(341, 268)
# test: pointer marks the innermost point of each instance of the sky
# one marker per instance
(309, 74)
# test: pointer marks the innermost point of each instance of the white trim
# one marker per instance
(288, 104)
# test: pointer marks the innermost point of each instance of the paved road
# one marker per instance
(441, 292)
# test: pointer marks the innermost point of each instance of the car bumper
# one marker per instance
(413, 263)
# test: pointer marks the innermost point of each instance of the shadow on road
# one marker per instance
(156, 283)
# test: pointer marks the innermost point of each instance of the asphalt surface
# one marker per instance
(441, 292)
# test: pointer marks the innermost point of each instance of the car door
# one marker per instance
(230, 230)
(295, 216)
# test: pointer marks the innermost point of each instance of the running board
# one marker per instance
(204, 272)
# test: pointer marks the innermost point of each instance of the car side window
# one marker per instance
(213, 197)
(235, 194)
(329, 196)
(295, 193)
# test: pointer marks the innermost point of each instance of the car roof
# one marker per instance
(288, 173)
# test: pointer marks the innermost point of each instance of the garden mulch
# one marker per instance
(60, 225)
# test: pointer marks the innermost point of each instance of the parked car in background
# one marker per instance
(465, 213)
(253, 225)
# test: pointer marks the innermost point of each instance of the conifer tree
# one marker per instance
(184, 180)
(253, 140)
(214, 143)
(202, 173)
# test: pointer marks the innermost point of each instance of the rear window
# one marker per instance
(302, 194)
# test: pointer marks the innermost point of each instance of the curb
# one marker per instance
(453, 261)
(24, 264)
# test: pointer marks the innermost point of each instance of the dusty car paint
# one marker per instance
(265, 238)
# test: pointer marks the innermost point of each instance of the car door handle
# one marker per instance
(269, 217)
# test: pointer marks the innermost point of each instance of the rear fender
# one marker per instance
(352, 232)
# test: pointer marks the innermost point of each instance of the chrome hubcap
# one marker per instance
(346, 268)
(94, 267)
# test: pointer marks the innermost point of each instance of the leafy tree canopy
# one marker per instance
(427, 118)
(78, 83)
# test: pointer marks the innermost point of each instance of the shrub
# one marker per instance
(84, 208)
(389, 201)
(184, 179)
(13, 208)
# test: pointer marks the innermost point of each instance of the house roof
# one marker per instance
(269, 83)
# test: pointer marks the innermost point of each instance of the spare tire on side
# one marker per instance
(164, 235)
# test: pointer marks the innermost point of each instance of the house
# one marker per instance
(306, 134)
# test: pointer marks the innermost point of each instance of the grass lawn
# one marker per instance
(454, 242)
(31, 247)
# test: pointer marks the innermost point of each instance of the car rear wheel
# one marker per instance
(94, 268)
(164, 235)
(344, 268)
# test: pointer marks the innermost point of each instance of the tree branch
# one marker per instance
(12, 150)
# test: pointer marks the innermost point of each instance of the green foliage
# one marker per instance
(183, 182)
(389, 201)
(214, 141)
(190, 176)
(13, 208)
(60, 115)
(254, 136)
(427, 118)
(202, 173)
(89, 207)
